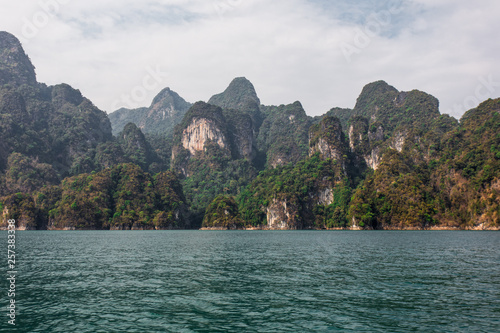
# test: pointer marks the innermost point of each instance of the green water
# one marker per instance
(311, 281)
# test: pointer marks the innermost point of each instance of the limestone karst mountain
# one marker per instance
(160, 118)
(391, 162)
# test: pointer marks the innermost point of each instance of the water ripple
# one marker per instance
(191, 281)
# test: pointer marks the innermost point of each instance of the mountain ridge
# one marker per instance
(392, 162)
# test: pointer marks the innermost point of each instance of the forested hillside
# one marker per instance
(391, 162)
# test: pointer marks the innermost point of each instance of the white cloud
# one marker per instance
(289, 49)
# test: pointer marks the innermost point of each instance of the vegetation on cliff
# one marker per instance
(222, 213)
(122, 197)
(392, 162)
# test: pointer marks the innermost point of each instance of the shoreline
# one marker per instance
(434, 228)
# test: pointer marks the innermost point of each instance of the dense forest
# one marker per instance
(391, 162)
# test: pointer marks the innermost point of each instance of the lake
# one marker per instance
(255, 281)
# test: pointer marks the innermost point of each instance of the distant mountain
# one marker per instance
(121, 117)
(166, 111)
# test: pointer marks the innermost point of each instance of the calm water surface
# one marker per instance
(194, 281)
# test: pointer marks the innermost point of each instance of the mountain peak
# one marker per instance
(169, 97)
(239, 93)
(15, 66)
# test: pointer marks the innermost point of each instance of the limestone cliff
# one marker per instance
(327, 139)
(199, 132)
(283, 215)
(203, 125)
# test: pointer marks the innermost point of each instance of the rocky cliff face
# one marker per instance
(203, 125)
(358, 135)
(327, 139)
(199, 132)
(385, 118)
(282, 215)
(242, 131)
(398, 141)
(374, 158)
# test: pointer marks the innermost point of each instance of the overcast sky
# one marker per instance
(322, 53)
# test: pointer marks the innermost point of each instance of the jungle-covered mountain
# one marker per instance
(391, 162)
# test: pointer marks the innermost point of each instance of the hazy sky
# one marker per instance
(122, 53)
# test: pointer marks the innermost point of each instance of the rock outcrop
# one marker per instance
(328, 140)
(283, 215)
(222, 214)
(203, 125)
(199, 132)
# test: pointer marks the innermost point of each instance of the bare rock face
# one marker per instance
(198, 132)
(325, 197)
(398, 141)
(282, 215)
(325, 149)
(203, 126)
(374, 158)
(365, 143)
